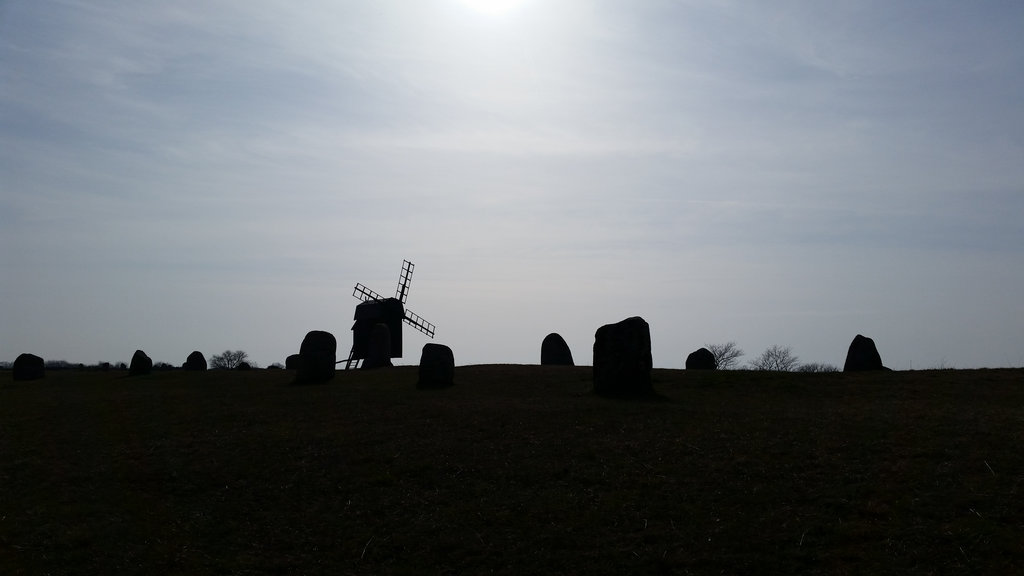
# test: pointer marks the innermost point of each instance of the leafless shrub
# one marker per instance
(816, 367)
(229, 360)
(727, 356)
(776, 359)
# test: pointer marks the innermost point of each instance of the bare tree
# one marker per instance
(776, 358)
(727, 356)
(228, 360)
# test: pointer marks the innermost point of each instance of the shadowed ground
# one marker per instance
(514, 470)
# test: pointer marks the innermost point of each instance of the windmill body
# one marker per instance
(376, 309)
(389, 312)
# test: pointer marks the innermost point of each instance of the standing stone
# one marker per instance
(378, 350)
(28, 367)
(622, 359)
(292, 362)
(141, 364)
(437, 367)
(862, 356)
(195, 361)
(555, 352)
(317, 357)
(701, 359)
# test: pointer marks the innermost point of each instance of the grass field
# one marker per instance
(514, 470)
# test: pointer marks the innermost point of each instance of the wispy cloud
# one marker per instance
(571, 160)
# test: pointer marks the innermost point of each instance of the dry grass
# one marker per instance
(515, 470)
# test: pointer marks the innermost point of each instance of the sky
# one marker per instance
(219, 175)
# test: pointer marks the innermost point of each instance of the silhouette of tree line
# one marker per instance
(775, 358)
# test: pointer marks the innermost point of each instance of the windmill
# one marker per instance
(376, 309)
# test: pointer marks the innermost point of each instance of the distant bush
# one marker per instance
(727, 356)
(6, 365)
(816, 367)
(97, 367)
(229, 360)
(776, 359)
(162, 366)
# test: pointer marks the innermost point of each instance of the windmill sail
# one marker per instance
(402, 293)
(416, 321)
(363, 293)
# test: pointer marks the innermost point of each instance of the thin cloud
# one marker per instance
(767, 174)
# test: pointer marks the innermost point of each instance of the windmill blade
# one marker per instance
(363, 293)
(402, 293)
(416, 321)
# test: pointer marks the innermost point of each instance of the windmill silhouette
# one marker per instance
(376, 309)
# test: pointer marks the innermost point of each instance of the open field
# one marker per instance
(515, 470)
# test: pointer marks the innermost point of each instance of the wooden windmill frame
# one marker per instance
(376, 309)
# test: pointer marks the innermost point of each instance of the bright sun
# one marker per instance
(493, 7)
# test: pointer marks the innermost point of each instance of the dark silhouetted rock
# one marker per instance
(243, 366)
(317, 356)
(862, 356)
(555, 352)
(622, 359)
(292, 362)
(141, 364)
(195, 361)
(378, 349)
(437, 367)
(701, 359)
(28, 367)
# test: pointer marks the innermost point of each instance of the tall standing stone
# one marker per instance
(195, 361)
(317, 356)
(28, 367)
(141, 364)
(555, 352)
(701, 359)
(862, 356)
(437, 367)
(378, 350)
(622, 359)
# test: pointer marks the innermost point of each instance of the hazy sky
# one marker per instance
(219, 174)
